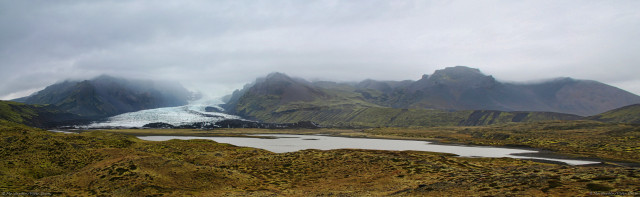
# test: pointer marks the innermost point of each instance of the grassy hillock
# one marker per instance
(627, 114)
(98, 163)
(582, 138)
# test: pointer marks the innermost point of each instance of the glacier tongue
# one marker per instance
(182, 115)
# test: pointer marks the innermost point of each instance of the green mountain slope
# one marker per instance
(279, 98)
(17, 112)
(451, 96)
(392, 117)
(627, 114)
(36, 115)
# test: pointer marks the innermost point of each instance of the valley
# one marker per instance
(101, 152)
(330, 98)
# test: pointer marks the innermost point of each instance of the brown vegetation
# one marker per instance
(105, 164)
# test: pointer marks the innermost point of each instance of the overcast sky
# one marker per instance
(217, 46)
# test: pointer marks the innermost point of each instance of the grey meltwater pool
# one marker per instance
(282, 143)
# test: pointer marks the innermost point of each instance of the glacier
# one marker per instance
(193, 112)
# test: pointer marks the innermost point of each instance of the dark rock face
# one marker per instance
(198, 125)
(235, 123)
(106, 96)
(159, 125)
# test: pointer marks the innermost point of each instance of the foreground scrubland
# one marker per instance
(110, 164)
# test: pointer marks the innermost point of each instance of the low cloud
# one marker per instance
(217, 46)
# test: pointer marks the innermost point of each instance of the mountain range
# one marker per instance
(106, 96)
(463, 88)
(451, 96)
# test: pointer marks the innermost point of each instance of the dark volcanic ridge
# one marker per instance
(453, 88)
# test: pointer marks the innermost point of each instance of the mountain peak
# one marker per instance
(277, 76)
(452, 88)
(457, 72)
(460, 76)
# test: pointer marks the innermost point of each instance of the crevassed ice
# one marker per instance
(188, 114)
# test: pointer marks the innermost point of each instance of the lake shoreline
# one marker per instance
(428, 146)
(357, 133)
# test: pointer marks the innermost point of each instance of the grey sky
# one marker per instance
(217, 46)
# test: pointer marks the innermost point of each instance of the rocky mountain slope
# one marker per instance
(452, 96)
(275, 99)
(463, 88)
(105, 96)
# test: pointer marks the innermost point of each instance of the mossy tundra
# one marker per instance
(99, 163)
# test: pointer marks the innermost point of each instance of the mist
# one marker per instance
(217, 47)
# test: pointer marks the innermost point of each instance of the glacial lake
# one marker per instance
(282, 143)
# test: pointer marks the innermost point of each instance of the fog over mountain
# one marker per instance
(105, 96)
(452, 88)
(218, 46)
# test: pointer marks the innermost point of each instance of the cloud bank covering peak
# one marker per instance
(217, 46)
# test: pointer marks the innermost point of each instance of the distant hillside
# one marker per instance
(627, 114)
(582, 97)
(106, 96)
(278, 93)
(35, 115)
(451, 89)
(463, 88)
(279, 98)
